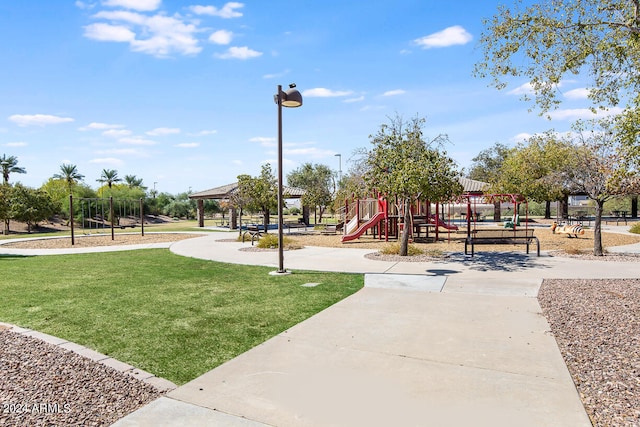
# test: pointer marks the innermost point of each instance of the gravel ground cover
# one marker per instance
(596, 324)
(44, 385)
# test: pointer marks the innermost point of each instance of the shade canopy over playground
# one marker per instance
(225, 192)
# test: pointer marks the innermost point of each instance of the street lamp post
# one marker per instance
(339, 156)
(291, 98)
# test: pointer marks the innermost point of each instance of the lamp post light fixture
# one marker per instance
(290, 98)
(339, 156)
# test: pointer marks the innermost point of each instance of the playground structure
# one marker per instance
(102, 214)
(382, 219)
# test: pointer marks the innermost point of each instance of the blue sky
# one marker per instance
(180, 93)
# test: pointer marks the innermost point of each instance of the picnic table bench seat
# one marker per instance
(501, 236)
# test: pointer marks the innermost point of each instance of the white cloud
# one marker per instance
(524, 89)
(394, 92)
(141, 5)
(99, 126)
(109, 161)
(187, 145)
(521, 137)
(358, 99)
(321, 92)
(136, 140)
(582, 113)
(221, 37)
(109, 33)
(163, 131)
(119, 151)
(203, 133)
(157, 35)
(16, 144)
(581, 93)
(38, 119)
(239, 53)
(227, 11)
(276, 75)
(450, 36)
(264, 141)
(116, 133)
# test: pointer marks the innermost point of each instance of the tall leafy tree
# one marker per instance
(403, 164)
(69, 173)
(549, 41)
(317, 181)
(6, 194)
(133, 181)
(486, 165)
(526, 169)
(31, 206)
(260, 193)
(595, 168)
(109, 177)
(10, 165)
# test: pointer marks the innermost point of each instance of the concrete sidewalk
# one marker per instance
(455, 342)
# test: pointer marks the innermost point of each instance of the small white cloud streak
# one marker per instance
(163, 131)
(99, 126)
(141, 5)
(24, 120)
(116, 133)
(227, 11)
(321, 92)
(358, 99)
(16, 144)
(203, 133)
(394, 92)
(583, 113)
(242, 52)
(187, 145)
(264, 141)
(137, 141)
(581, 93)
(112, 161)
(451, 36)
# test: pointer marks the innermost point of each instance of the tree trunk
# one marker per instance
(406, 231)
(597, 230)
(547, 209)
(496, 211)
(6, 227)
(265, 220)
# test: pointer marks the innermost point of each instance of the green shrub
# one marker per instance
(394, 249)
(635, 228)
(270, 241)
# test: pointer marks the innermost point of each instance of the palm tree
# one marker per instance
(134, 182)
(70, 174)
(109, 176)
(9, 165)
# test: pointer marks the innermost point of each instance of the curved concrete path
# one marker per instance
(455, 342)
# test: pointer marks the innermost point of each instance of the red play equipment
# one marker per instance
(372, 217)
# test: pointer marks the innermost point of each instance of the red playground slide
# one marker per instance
(439, 223)
(364, 227)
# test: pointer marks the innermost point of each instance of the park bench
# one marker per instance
(501, 237)
(254, 232)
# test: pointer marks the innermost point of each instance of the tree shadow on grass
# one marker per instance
(11, 256)
(497, 261)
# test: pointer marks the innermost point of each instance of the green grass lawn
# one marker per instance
(173, 316)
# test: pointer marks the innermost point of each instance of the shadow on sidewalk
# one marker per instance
(496, 261)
